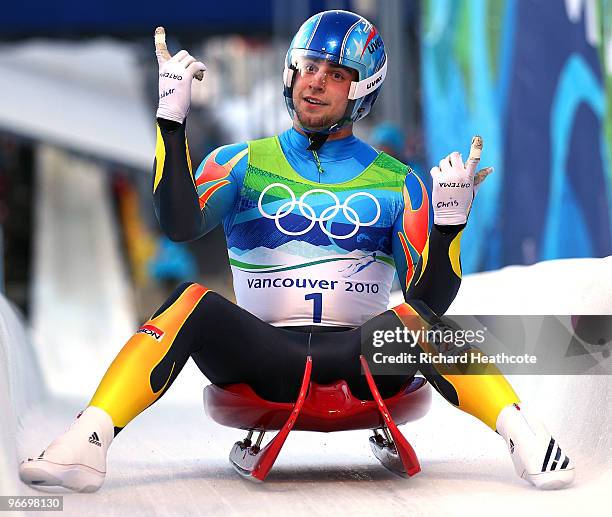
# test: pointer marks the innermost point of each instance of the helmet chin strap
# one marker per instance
(316, 140)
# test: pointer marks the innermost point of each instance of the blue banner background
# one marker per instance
(524, 76)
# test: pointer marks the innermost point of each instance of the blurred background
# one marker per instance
(77, 132)
(83, 259)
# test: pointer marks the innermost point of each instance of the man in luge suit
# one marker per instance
(317, 222)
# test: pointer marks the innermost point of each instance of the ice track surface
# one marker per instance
(172, 460)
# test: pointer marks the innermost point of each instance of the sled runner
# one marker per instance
(322, 408)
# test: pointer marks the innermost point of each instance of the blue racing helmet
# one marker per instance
(346, 39)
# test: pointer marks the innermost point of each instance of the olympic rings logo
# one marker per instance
(326, 215)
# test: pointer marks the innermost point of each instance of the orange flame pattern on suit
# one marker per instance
(482, 391)
(415, 226)
(406, 314)
(125, 390)
(214, 171)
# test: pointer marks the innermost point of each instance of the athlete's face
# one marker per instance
(320, 92)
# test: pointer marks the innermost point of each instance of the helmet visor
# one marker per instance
(313, 62)
(330, 67)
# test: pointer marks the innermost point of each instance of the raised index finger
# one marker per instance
(474, 158)
(161, 49)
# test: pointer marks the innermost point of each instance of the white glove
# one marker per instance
(454, 187)
(175, 77)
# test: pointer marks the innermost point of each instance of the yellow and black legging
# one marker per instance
(231, 345)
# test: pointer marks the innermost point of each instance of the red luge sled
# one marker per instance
(323, 408)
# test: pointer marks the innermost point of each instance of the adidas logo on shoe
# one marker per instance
(95, 439)
(557, 458)
(75, 460)
(536, 456)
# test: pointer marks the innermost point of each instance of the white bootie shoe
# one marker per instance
(76, 459)
(536, 455)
